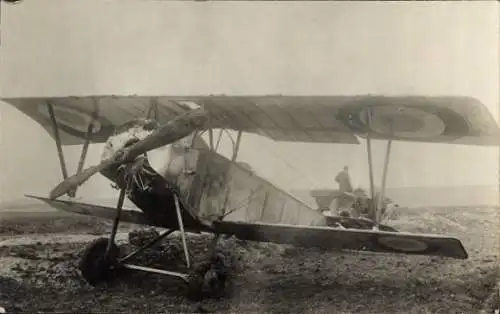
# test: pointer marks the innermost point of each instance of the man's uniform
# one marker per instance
(344, 202)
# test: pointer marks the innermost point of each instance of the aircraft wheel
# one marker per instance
(209, 279)
(94, 267)
(194, 289)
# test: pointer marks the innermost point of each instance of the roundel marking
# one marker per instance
(402, 244)
(402, 122)
(75, 122)
(71, 118)
(418, 121)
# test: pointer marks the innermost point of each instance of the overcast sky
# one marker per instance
(55, 47)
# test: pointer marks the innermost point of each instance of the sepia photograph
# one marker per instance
(177, 156)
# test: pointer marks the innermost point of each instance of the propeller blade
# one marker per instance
(173, 131)
(78, 179)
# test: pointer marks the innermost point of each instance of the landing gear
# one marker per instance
(96, 265)
(210, 279)
(101, 259)
(101, 256)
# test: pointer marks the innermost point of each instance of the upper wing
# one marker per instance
(261, 115)
(73, 114)
(326, 119)
(284, 118)
(454, 120)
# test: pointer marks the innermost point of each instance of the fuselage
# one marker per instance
(210, 186)
(150, 189)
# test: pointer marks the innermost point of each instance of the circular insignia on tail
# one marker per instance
(403, 244)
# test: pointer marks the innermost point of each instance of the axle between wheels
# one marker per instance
(208, 279)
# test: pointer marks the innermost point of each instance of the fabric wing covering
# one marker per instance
(305, 236)
(321, 119)
(346, 239)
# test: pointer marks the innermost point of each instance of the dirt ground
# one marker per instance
(37, 276)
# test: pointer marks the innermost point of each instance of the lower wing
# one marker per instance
(127, 215)
(346, 239)
(307, 236)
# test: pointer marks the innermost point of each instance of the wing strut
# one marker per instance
(153, 110)
(384, 178)
(233, 159)
(211, 133)
(85, 147)
(372, 204)
(237, 148)
(181, 228)
(376, 205)
(60, 152)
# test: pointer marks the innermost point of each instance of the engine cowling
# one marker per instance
(170, 161)
(125, 135)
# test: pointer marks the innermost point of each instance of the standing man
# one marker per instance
(344, 201)
(344, 180)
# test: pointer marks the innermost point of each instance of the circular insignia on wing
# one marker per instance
(403, 244)
(75, 122)
(403, 122)
(71, 118)
(404, 118)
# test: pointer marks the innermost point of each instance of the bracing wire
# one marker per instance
(295, 169)
(244, 202)
(300, 173)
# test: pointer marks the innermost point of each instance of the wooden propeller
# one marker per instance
(173, 131)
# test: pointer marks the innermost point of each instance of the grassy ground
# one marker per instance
(268, 278)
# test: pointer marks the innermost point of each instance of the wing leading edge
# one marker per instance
(346, 239)
(127, 215)
(320, 119)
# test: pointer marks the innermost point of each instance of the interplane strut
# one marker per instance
(57, 136)
(376, 205)
(233, 159)
(60, 153)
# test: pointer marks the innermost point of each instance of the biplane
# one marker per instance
(162, 153)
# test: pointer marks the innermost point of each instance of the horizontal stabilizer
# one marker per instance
(346, 239)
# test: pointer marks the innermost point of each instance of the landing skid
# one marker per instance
(101, 262)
